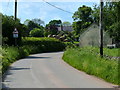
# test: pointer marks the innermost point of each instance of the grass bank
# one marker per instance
(85, 59)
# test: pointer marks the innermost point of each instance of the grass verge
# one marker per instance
(82, 59)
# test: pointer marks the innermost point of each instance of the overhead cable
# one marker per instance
(58, 7)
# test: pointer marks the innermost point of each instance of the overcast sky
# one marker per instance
(44, 11)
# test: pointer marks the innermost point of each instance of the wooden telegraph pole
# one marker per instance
(15, 32)
(101, 28)
(15, 9)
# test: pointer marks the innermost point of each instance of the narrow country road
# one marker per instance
(48, 70)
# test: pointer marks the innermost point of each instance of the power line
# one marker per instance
(57, 7)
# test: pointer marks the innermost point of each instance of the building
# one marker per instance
(91, 37)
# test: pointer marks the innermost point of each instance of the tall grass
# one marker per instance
(110, 52)
(83, 59)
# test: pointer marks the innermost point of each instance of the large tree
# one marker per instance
(38, 21)
(34, 23)
(52, 26)
(83, 14)
(82, 19)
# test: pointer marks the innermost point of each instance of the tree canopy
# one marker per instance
(82, 19)
(52, 26)
(34, 23)
(83, 14)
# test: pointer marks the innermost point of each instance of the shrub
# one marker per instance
(36, 32)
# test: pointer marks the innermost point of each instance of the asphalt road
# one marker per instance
(48, 70)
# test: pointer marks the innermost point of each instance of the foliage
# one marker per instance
(83, 14)
(55, 22)
(69, 45)
(52, 26)
(77, 27)
(36, 32)
(34, 23)
(44, 44)
(31, 25)
(47, 32)
(38, 21)
(114, 31)
(83, 59)
(8, 26)
(82, 19)
(111, 19)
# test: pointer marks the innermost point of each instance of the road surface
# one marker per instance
(48, 70)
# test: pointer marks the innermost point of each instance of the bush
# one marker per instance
(36, 32)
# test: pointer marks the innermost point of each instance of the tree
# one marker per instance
(36, 32)
(83, 14)
(77, 27)
(114, 29)
(31, 25)
(38, 21)
(55, 22)
(111, 19)
(82, 19)
(34, 23)
(8, 26)
(52, 26)
(96, 13)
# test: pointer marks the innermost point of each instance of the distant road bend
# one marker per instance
(48, 70)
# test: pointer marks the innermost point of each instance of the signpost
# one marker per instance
(15, 35)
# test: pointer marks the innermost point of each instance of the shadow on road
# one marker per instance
(8, 72)
(13, 68)
(34, 57)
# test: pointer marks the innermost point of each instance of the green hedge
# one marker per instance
(43, 44)
(83, 59)
(10, 54)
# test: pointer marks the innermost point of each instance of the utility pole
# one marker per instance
(15, 32)
(15, 10)
(101, 28)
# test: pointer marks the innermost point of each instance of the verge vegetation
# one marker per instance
(87, 60)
